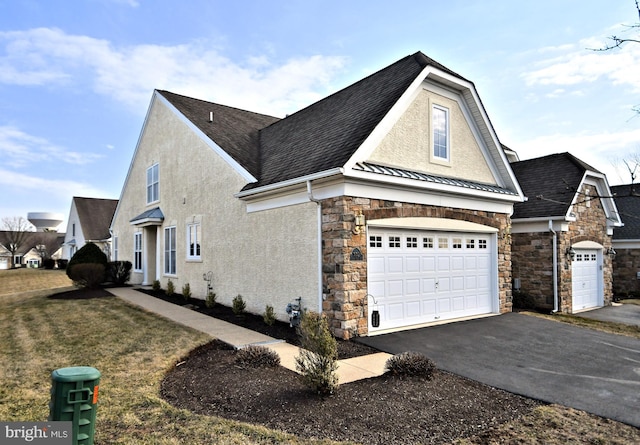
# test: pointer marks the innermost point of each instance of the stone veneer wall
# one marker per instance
(532, 255)
(625, 269)
(345, 281)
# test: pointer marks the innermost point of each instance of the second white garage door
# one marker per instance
(417, 277)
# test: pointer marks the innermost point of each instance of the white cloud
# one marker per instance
(54, 187)
(47, 56)
(19, 149)
(579, 65)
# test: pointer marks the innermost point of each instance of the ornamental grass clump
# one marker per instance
(410, 364)
(318, 359)
(255, 356)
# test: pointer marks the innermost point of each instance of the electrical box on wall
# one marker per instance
(516, 282)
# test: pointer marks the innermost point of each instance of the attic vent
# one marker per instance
(210, 116)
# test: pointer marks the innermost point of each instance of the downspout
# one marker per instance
(555, 267)
(319, 218)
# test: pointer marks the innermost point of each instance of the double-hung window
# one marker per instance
(170, 251)
(440, 123)
(153, 181)
(137, 251)
(193, 241)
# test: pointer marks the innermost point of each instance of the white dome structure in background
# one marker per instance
(45, 221)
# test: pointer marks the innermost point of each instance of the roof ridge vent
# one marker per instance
(210, 116)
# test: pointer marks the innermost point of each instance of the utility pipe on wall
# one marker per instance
(555, 267)
(319, 218)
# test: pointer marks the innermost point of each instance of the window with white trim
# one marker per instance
(412, 242)
(153, 181)
(394, 241)
(443, 243)
(471, 243)
(193, 241)
(170, 250)
(137, 251)
(115, 248)
(427, 242)
(457, 243)
(440, 122)
(482, 244)
(375, 241)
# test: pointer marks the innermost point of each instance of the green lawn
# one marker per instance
(132, 349)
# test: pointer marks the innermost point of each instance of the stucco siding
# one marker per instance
(408, 143)
(268, 257)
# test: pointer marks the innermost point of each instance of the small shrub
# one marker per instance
(238, 305)
(119, 272)
(269, 315)
(88, 275)
(156, 286)
(211, 299)
(88, 254)
(186, 291)
(171, 289)
(318, 359)
(411, 364)
(48, 263)
(257, 356)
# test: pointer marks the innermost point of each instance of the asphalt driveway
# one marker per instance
(543, 359)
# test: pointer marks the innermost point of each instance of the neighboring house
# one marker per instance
(38, 245)
(390, 197)
(561, 251)
(89, 221)
(626, 241)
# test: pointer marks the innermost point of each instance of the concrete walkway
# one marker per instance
(349, 370)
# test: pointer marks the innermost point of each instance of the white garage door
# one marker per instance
(585, 283)
(417, 277)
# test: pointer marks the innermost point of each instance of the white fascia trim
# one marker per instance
(599, 181)
(389, 192)
(215, 147)
(291, 182)
(133, 158)
(386, 124)
(539, 225)
(626, 244)
(432, 187)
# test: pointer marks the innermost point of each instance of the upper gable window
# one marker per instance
(152, 184)
(440, 124)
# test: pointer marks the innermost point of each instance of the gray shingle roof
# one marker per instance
(555, 178)
(319, 137)
(95, 216)
(627, 198)
(325, 135)
(234, 130)
(154, 214)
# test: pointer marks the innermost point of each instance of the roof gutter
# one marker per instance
(290, 182)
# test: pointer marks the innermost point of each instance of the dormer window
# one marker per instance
(440, 126)
(152, 184)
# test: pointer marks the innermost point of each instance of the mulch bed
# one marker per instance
(254, 322)
(381, 410)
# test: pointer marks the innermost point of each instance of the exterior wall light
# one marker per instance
(571, 253)
(611, 252)
(359, 223)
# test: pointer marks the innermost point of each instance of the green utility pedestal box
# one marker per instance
(74, 397)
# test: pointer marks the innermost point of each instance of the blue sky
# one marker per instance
(76, 77)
